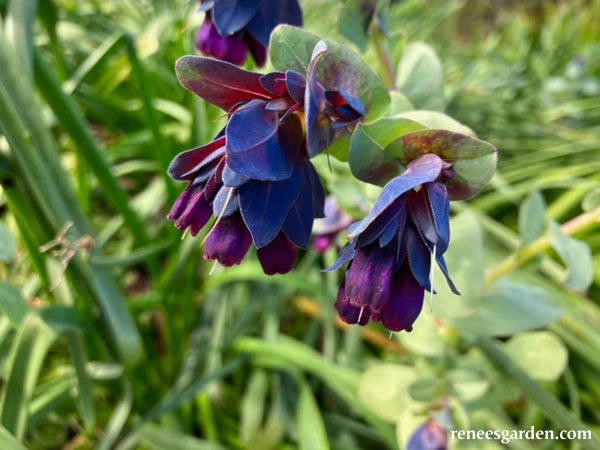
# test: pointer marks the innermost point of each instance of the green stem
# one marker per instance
(548, 404)
(542, 244)
(385, 59)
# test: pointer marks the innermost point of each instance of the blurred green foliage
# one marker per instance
(118, 337)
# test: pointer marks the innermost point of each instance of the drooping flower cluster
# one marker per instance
(391, 250)
(255, 177)
(232, 28)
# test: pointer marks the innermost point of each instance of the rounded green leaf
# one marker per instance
(420, 77)
(509, 308)
(473, 160)
(541, 354)
(468, 384)
(340, 68)
(384, 389)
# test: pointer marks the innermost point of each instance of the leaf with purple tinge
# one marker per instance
(473, 160)
(261, 147)
(340, 68)
(424, 169)
(366, 156)
(186, 164)
(232, 15)
(265, 205)
(218, 82)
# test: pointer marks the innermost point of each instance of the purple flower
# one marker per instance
(327, 229)
(255, 177)
(232, 28)
(429, 436)
(390, 251)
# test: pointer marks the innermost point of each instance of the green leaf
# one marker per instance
(354, 22)
(12, 303)
(19, 25)
(435, 119)
(465, 261)
(311, 429)
(424, 339)
(532, 218)
(399, 103)
(7, 244)
(540, 354)
(158, 438)
(591, 201)
(384, 388)
(366, 155)
(253, 405)
(509, 308)
(420, 77)
(28, 353)
(473, 160)
(469, 385)
(339, 68)
(8, 441)
(577, 257)
(428, 389)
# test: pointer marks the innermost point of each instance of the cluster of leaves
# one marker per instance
(135, 345)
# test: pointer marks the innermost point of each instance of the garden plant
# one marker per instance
(314, 224)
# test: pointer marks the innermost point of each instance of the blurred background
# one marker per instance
(114, 335)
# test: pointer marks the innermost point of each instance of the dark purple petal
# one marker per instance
(185, 165)
(261, 147)
(318, 125)
(233, 15)
(296, 86)
(389, 232)
(225, 202)
(419, 257)
(404, 304)
(265, 205)
(214, 182)
(429, 436)
(220, 83)
(424, 169)
(181, 203)
(278, 256)
(271, 14)
(368, 278)
(196, 214)
(274, 82)
(228, 242)
(347, 254)
(348, 313)
(237, 50)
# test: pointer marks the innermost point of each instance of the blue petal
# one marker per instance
(225, 202)
(442, 265)
(424, 169)
(318, 193)
(345, 255)
(265, 205)
(258, 146)
(299, 221)
(419, 257)
(272, 14)
(232, 15)
(430, 211)
(233, 179)
(296, 85)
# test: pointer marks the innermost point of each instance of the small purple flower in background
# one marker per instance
(232, 28)
(390, 251)
(429, 436)
(327, 229)
(255, 177)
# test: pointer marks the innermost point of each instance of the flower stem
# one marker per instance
(542, 244)
(385, 59)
